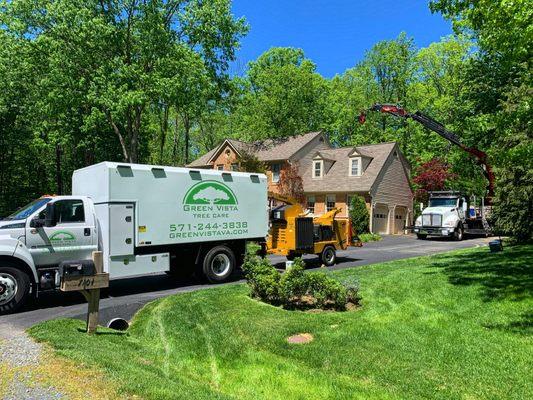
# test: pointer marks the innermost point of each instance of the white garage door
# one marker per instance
(400, 217)
(379, 219)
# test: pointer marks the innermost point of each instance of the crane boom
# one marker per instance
(438, 128)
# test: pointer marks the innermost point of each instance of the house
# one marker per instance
(331, 176)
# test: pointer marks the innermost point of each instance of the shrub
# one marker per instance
(293, 283)
(352, 291)
(263, 279)
(326, 291)
(295, 288)
(359, 215)
(369, 237)
(252, 249)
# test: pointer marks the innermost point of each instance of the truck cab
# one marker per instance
(449, 214)
(35, 239)
(444, 216)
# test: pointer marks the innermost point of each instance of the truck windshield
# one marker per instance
(28, 209)
(440, 202)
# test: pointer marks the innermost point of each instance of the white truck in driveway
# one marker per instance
(145, 219)
(449, 214)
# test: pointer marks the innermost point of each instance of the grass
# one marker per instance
(369, 237)
(454, 325)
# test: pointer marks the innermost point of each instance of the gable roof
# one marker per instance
(265, 150)
(204, 160)
(337, 179)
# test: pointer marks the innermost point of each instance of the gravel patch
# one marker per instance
(19, 353)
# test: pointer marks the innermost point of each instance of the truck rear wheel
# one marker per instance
(14, 288)
(219, 264)
(328, 257)
(421, 236)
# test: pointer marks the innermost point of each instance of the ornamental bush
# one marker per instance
(359, 215)
(296, 289)
(263, 279)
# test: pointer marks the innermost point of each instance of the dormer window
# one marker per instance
(355, 166)
(276, 168)
(317, 168)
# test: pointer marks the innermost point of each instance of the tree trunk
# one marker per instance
(59, 179)
(175, 139)
(187, 127)
(164, 128)
(116, 129)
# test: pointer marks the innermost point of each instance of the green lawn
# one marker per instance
(455, 325)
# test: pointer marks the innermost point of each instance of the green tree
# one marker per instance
(281, 95)
(359, 215)
(498, 82)
(121, 80)
(384, 76)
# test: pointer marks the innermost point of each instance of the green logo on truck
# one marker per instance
(210, 193)
(62, 236)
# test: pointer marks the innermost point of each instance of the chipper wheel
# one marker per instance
(328, 257)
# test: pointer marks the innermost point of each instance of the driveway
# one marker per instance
(125, 297)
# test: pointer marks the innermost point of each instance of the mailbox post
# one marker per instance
(89, 286)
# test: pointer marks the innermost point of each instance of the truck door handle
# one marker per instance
(87, 232)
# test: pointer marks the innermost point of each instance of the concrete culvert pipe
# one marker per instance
(118, 324)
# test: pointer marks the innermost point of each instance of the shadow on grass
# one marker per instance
(507, 275)
(523, 326)
(99, 332)
(504, 275)
(314, 262)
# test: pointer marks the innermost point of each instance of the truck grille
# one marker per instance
(431, 220)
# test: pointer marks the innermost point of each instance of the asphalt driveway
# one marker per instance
(127, 296)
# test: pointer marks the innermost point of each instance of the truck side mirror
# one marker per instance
(50, 215)
(36, 222)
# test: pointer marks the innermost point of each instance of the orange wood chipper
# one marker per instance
(294, 233)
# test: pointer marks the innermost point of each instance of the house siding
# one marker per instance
(393, 190)
(304, 157)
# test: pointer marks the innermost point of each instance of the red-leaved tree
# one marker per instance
(430, 176)
(290, 182)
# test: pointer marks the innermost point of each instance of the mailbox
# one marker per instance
(77, 268)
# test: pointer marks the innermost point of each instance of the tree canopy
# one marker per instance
(148, 81)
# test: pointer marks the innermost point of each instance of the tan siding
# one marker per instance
(392, 187)
(304, 157)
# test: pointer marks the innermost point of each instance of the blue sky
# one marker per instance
(333, 33)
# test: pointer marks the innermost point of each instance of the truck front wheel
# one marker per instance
(14, 288)
(458, 234)
(219, 264)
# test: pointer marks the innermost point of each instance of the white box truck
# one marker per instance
(144, 218)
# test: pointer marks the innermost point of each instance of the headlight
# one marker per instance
(418, 221)
(449, 222)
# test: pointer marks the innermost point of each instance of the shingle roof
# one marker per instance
(337, 179)
(265, 150)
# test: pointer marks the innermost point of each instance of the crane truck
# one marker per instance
(449, 213)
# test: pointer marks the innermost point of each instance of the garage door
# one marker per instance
(379, 219)
(400, 216)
